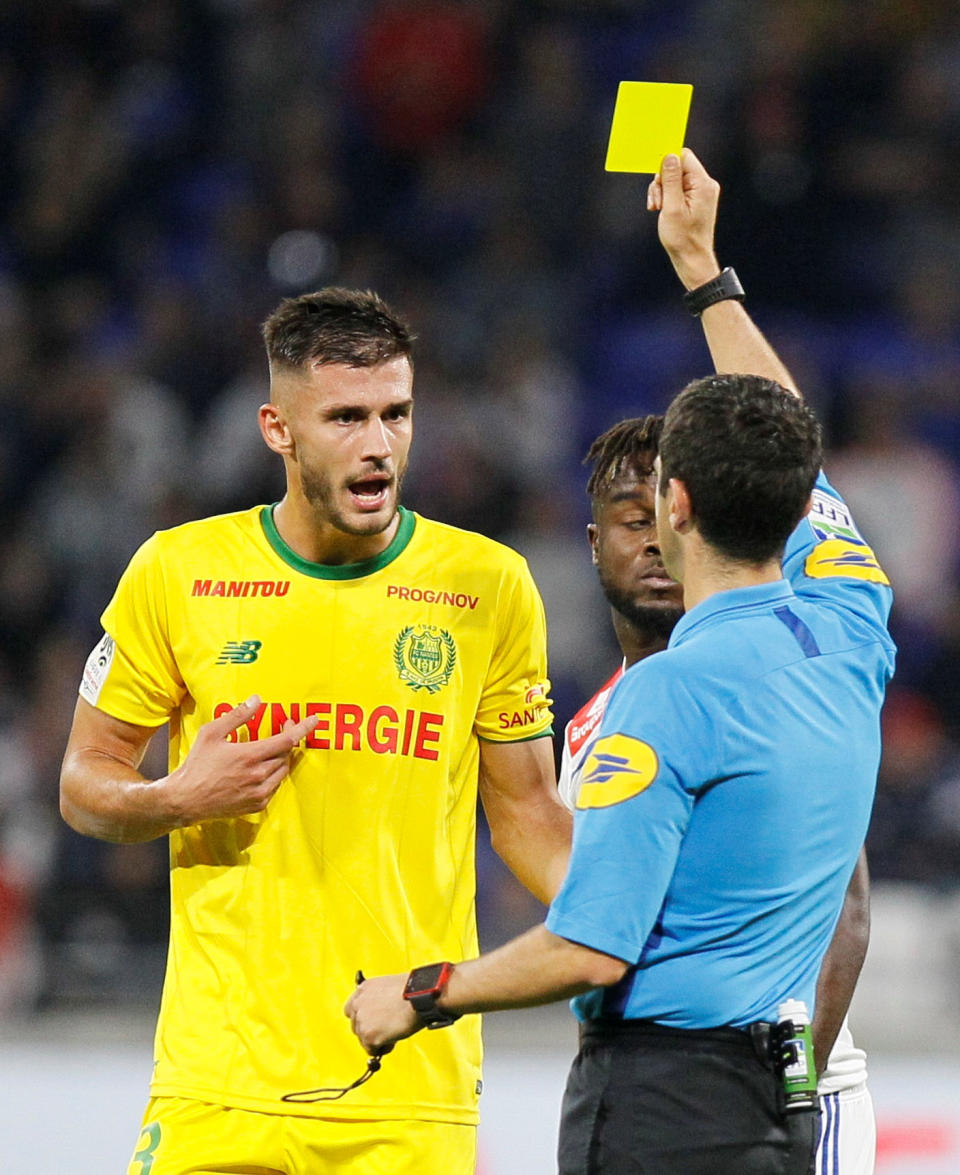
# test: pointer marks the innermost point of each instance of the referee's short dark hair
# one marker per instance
(336, 325)
(748, 452)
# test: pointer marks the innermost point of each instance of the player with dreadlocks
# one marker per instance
(645, 604)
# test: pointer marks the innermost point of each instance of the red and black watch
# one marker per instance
(423, 988)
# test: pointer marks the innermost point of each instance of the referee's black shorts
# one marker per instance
(642, 1099)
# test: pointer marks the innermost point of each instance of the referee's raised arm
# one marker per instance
(686, 197)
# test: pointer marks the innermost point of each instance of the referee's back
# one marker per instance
(751, 746)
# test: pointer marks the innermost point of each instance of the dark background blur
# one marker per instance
(172, 168)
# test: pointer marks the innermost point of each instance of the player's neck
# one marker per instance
(635, 641)
(320, 541)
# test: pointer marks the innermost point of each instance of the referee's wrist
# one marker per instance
(424, 990)
(696, 272)
(700, 278)
(724, 287)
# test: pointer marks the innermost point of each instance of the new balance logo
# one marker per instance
(239, 652)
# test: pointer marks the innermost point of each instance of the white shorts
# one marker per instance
(848, 1133)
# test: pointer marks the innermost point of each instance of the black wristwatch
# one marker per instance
(424, 985)
(718, 289)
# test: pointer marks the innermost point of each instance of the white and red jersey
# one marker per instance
(846, 1067)
(577, 737)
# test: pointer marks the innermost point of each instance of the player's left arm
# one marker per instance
(530, 827)
(842, 963)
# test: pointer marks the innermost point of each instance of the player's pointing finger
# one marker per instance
(235, 718)
(292, 733)
(299, 730)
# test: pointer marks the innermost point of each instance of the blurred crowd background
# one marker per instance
(174, 167)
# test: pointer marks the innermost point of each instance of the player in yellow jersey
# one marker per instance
(338, 673)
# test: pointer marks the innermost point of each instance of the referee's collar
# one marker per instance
(759, 595)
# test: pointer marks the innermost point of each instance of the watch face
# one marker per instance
(424, 985)
(426, 980)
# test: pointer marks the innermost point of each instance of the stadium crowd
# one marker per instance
(174, 167)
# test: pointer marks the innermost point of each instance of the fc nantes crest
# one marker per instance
(425, 656)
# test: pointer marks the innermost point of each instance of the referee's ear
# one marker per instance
(678, 505)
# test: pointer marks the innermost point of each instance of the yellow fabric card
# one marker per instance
(649, 121)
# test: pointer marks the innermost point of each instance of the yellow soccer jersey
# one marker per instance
(365, 856)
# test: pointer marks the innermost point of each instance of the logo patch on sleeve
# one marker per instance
(831, 519)
(837, 558)
(616, 768)
(97, 669)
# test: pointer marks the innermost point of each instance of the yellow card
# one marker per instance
(649, 121)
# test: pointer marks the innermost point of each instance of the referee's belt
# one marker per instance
(754, 1038)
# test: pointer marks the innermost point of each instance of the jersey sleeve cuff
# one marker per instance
(597, 938)
(547, 732)
(138, 718)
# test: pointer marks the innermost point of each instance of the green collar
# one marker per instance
(338, 570)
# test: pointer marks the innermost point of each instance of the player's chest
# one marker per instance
(298, 637)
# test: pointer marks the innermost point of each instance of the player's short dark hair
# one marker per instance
(631, 444)
(336, 325)
(748, 452)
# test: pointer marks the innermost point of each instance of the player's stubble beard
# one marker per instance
(658, 620)
(319, 492)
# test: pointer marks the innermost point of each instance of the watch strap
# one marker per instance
(724, 286)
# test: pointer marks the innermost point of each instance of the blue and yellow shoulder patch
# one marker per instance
(617, 767)
(840, 557)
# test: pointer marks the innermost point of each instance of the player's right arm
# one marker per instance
(686, 197)
(103, 794)
(131, 685)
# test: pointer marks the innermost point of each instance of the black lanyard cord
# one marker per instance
(334, 1092)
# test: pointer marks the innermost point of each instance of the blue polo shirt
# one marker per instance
(727, 795)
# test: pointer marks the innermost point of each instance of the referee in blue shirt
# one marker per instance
(725, 799)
